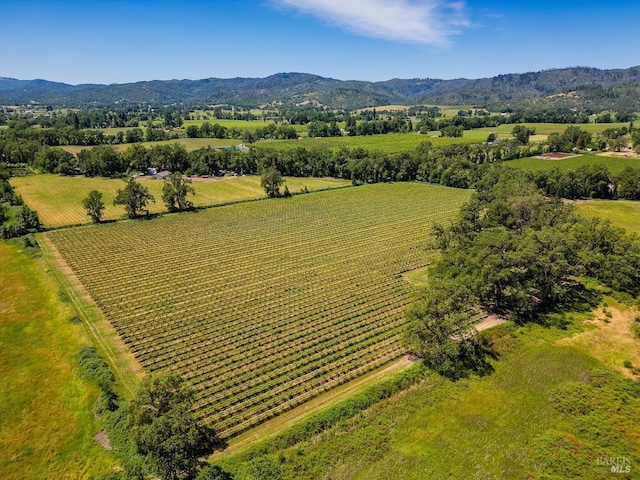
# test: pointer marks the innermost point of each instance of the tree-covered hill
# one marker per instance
(577, 86)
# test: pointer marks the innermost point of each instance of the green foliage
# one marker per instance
(175, 191)
(95, 369)
(134, 197)
(24, 221)
(212, 472)
(441, 331)
(522, 133)
(261, 468)
(635, 140)
(164, 430)
(572, 138)
(513, 251)
(628, 184)
(452, 131)
(94, 205)
(271, 180)
(487, 425)
(4, 213)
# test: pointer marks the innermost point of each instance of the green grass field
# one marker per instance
(615, 164)
(521, 421)
(58, 199)
(189, 144)
(389, 143)
(622, 213)
(263, 305)
(46, 420)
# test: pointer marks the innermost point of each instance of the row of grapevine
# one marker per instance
(262, 306)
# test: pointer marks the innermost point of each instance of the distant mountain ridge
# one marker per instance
(300, 88)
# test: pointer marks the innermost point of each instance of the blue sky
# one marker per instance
(124, 41)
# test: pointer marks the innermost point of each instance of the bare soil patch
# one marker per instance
(101, 439)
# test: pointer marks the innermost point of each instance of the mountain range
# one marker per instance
(568, 87)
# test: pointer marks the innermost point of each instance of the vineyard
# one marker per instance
(264, 305)
(614, 164)
(389, 143)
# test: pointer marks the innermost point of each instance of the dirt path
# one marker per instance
(490, 321)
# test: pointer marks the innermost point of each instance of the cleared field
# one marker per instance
(58, 199)
(189, 143)
(262, 306)
(622, 213)
(615, 164)
(389, 143)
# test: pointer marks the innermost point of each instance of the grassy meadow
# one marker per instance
(622, 213)
(46, 420)
(264, 305)
(615, 164)
(58, 199)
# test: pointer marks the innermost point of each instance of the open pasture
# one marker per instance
(389, 143)
(621, 213)
(58, 199)
(262, 306)
(46, 423)
(614, 164)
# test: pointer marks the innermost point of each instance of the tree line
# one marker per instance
(16, 218)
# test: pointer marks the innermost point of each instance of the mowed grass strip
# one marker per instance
(264, 305)
(614, 164)
(58, 199)
(46, 420)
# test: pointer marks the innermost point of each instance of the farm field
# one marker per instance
(622, 213)
(264, 305)
(615, 164)
(46, 420)
(58, 199)
(189, 144)
(389, 143)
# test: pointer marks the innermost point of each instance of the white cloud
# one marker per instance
(430, 22)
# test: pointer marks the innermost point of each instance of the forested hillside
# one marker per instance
(589, 88)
